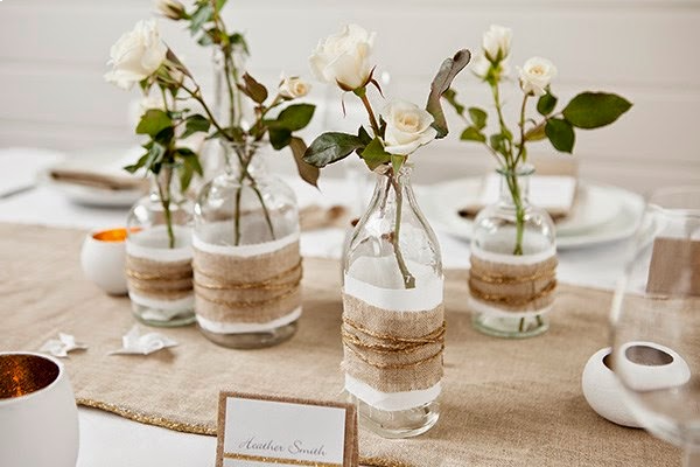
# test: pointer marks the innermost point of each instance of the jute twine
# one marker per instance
(256, 289)
(393, 351)
(159, 280)
(513, 287)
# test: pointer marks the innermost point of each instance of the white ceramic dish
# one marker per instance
(602, 213)
(108, 162)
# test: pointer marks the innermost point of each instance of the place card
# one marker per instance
(675, 267)
(261, 431)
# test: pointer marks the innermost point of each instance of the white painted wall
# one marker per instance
(53, 55)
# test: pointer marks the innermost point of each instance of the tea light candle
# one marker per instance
(103, 259)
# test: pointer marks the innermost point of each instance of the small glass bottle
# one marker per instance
(159, 254)
(513, 256)
(393, 318)
(247, 261)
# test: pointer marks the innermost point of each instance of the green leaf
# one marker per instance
(186, 173)
(201, 16)
(498, 143)
(153, 122)
(307, 172)
(280, 138)
(190, 159)
(195, 124)
(220, 4)
(155, 157)
(449, 69)
(253, 89)
(397, 162)
(364, 136)
(451, 97)
(133, 168)
(238, 39)
(546, 104)
(591, 110)
(293, 118)
(331, 147)
(472, 134)
(560, 134)
(536, 134)
(478, 117)
(375, 155)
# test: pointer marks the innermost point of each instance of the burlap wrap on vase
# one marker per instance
(393, 344)
(513, 284)
(160, 278)
(248, 288)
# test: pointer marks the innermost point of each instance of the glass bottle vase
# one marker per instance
(247, 265)
(393, 317)
(159, 254)
(513, 262)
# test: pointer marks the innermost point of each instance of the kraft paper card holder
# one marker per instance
(263, 430)
(675, 267)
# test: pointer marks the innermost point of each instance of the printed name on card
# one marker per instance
(260, 431)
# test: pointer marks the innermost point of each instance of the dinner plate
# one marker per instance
(601, 213)
(104, 161)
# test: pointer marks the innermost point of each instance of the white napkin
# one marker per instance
(61, 346)
(133, 343)
(554, 193)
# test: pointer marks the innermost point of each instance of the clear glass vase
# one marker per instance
(247, 265)
(513, 256)
(159, 254)
(393, 318)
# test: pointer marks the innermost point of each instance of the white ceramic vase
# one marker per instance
(38, 414)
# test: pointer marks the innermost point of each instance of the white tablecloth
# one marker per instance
(110, 441)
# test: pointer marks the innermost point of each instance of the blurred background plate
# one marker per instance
(601, 213)
(97, 178)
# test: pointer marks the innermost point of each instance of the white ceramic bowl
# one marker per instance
(38, 415)
(605, 394)
(103, 260)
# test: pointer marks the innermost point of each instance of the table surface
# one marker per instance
(110, 441)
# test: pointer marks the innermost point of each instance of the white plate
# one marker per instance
(602, 213)
(108, 161)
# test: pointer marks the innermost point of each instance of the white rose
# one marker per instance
(536, 75)
(171, 9)
(496, 42)
(481, 65)
(136, 55)
(343, 58)
(408, 127)
(293, 87)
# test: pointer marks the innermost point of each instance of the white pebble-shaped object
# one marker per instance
(645, 365)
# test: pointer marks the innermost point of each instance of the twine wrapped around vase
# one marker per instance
(392, 351)
(233, 289)
(159, 280)
(516, 286)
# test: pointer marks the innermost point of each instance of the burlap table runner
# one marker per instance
(504, 403)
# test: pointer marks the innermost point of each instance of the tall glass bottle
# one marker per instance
(513, 256)
(393, 318)
(247, 261)
(159, 254)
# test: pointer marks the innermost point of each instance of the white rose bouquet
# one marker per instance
(586, 111)
(344, 59)
(141, 57)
